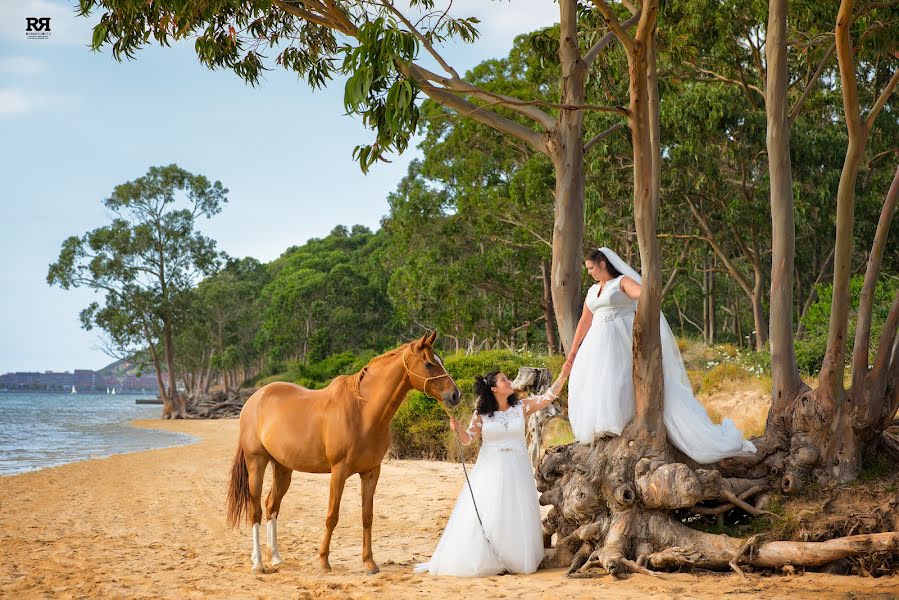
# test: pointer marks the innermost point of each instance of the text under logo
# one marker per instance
(37, 28)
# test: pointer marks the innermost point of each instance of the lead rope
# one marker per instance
(477, 513)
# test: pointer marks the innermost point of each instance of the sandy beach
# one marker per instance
(151, 525)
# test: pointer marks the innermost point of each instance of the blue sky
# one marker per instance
(74, 124)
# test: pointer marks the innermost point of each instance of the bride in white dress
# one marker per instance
(502, 483)
(601, 391)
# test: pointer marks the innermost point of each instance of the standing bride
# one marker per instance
(502, 483)
(601, 391)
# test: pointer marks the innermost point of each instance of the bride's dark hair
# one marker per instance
(487, 404)
(597, 256)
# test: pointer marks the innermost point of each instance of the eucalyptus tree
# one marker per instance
(145, 262)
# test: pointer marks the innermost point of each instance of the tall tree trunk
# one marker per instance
(177, 399)
(831, 376)
(784, 373)
(168, 408)
(758, 315)
(644, 125)
(552, 340)
(567, 151)
(866, 298)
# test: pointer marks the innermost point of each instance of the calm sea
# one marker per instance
(40, 430)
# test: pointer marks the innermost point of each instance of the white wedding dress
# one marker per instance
(506, 495)
(601, 388)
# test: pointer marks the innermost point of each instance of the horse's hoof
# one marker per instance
(277, 560)
(325, 569)
(373, 571)
(258, 570)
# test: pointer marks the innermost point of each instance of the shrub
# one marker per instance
(810, 349)
(421, 428)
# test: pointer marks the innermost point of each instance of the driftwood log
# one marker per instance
(218, 405)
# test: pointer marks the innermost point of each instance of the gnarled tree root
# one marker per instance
(613, 509)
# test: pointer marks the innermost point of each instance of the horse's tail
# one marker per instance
(238, 489)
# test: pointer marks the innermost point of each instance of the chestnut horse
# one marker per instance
(342, 429)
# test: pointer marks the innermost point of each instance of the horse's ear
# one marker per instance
(432, 338)
(417, 344)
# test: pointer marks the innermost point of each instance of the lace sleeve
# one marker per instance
(539, 401)
(474, 427)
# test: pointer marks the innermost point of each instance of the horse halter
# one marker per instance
(424, 386)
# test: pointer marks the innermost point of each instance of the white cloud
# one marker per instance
(14, 102)
(66, 27)
(22, 65)
(18, 102)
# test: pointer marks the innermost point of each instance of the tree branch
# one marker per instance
(605, 40)
(710, 238)
(866, 298)
(306, 15)
(428, 46)
(613, 24)
(526, 108)
(486, 116)
(811, 82)
(718, 77)
(671, 278)
(601, 136)
(881, 100)
(515, 223)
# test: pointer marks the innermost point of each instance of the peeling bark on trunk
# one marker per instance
(567, 153)
(784, 373)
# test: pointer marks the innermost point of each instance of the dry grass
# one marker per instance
(748, 410)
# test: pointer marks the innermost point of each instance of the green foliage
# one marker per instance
(811, 348)
(378, 91)
(222, 319)
(328, 296)
(315, 375)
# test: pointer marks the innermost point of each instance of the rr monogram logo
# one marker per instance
(37, 24)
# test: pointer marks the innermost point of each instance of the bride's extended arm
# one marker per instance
(533, 404)
(583, 326)
(631, 288)
(474, 428)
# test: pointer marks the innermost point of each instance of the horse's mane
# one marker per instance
(354, 381)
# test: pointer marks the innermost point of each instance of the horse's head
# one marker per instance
(427, 374)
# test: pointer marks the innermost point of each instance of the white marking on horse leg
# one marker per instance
(257, 553)
(273, 541)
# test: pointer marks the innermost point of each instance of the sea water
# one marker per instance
(40, 429)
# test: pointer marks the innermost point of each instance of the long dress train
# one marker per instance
(601, 389)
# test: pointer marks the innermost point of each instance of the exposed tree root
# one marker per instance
(613, 506)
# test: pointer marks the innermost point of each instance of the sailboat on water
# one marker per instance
(74, 391)
(113, 391)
